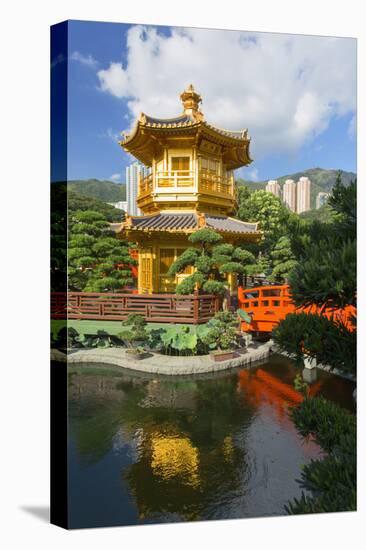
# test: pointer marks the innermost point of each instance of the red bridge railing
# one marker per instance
(108, 306)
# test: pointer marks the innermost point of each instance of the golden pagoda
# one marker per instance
(190, 186)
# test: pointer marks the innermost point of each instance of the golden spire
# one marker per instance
(191, 100)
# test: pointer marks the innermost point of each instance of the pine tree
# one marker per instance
(211, 261)
(98, 261)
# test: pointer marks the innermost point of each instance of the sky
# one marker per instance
(295, 94)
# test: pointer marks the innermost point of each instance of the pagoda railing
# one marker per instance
(214, 183)
(159, 308)
(146, 185)
(208, 182)
(176, 178)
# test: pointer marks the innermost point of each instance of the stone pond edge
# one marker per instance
(163, 364)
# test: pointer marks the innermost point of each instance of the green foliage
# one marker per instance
(221, 332)
(327, 341)
(134, 333)
(58, 237)
(326, 254)
(325, 274)
(135, 321)
(97, 260)
(77, 201)
(232, 267)
(331, 480)
(300, 385)
(244, 316)
(283, 260)
(211, 263)
(106, 191)
(69, 338)
(343, 203)
(187, 258)
(214, 287)
(205, 237)
(324, 214)
(188, 285)
(276, 221)
(265, 208)
(174, 340)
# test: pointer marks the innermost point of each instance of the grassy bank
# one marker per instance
(92, 327)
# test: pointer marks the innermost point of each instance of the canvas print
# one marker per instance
(203, 274)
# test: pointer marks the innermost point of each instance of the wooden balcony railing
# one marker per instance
(208, 182)
(213, 183)
(160, 308)
(146, 185)
(177, 178)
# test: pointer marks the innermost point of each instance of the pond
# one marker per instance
(147, 449)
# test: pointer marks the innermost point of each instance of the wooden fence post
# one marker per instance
(196, 311)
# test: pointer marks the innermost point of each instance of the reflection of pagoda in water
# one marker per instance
(191, 186)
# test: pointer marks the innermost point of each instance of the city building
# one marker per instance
(274, 187)
(191, 186)
(303, 195)
(289, 194)
(321, 199)
(121, 205)
(134, 172)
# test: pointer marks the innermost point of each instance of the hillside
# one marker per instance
(76, 201)
(321, 179)
(106, 191)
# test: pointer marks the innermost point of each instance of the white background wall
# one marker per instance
(24, 269)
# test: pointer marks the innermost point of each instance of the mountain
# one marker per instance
(106, 191)
(321, 180)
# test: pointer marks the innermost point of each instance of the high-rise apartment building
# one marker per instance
(321, 199)
(289, 195)
(303, 195)
(274, 187)
(121, 205)
(133, 172)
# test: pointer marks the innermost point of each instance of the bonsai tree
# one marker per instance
(221, 332)
(212, 261)
(97, 260)
(134, 333)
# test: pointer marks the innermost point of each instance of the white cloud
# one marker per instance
(115, 177)
(87, 60)
(283, 88)
(111, 134)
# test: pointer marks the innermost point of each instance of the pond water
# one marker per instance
(148, 449)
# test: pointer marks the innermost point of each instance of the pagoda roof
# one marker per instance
(180, 122)
(151, 134)
(186, 223)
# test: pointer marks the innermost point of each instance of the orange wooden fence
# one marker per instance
(160, 308)
(268, 305)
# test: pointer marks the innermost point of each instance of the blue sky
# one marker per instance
(295, 94)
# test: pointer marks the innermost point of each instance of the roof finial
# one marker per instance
(191, 100)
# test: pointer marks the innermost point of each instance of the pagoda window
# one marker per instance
(167, 257)
(179, 164)
(146, 273)
(212, 166)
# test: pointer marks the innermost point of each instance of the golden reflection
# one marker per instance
(228, 448)
(174, 456)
